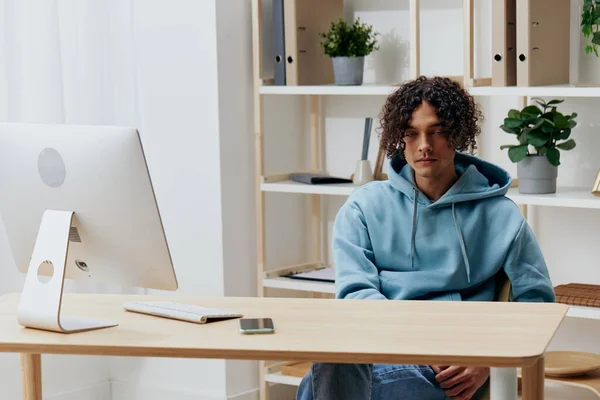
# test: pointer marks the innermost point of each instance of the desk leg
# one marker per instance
(31, 376)
(503, 384)
(533, 381)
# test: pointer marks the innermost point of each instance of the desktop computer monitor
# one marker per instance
(77, 202)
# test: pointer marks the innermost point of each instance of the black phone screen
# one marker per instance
(256, 324)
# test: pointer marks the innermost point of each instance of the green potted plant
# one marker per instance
(347, 45)
(590, 20)
(540, 127)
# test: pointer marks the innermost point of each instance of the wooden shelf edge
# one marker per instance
(299, 285)
(293, 269)
(589, 381)
(278, 377)
(477, 87)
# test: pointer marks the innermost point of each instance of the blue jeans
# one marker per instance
(369, 382)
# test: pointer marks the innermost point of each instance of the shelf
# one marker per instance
(332, 90)
(537, 91)
(277, 377)
(385, 90)
(339, 189)
(298, 284)
(564, 197)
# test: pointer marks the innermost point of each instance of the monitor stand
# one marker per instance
(40, 302)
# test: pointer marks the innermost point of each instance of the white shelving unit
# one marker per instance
(341, 189)
(278, 377)
(269, 278)
(574, 197)
(385, 90)
(300, 285)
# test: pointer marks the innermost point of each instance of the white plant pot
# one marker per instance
(536, 175)
(348, 70)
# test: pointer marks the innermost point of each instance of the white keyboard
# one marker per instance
(184, 312)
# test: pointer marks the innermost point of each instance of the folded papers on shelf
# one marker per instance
(321, 275)
(315, 179)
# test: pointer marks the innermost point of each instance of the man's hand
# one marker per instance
(460, 383)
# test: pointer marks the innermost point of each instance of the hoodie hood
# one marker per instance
(477, 179)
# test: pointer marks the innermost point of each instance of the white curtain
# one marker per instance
(67, 61)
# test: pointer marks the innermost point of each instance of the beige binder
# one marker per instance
(543, 28)
(504, 42)
(306, 64)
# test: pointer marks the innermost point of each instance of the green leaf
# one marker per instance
(541, 102)
(509, 130)
(349, 39)
(537, 122)
(548, 128)
(513, 123)
(517, 153)
(568, 145)
(553, 102)
(537, 139)
(548, 120)
(553, 156)
(531, 111)
(563, 134)
(515, 114)
(523, 138)
(506, 146)
(560, 121)
(572, 124)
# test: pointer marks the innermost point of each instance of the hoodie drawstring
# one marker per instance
(462, 244)
(458, 232)
(414, 229)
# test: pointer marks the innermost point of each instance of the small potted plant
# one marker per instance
(542, 129)
(590, 20)
(347, 45)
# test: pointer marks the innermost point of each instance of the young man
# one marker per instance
(440, 228)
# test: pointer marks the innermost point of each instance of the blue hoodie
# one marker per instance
(391, 242)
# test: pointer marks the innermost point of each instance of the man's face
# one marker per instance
(427, 150)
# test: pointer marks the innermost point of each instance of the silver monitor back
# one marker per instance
(99, 173)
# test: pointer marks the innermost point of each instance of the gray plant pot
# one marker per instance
(536, 175)
(348, 70)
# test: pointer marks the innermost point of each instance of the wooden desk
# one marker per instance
(494, 334)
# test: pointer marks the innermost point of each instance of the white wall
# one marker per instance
(154, 64)
(238, 182)
(195, 80)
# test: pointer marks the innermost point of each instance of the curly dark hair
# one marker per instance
(454, 106)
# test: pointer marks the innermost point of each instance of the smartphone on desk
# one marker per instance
(256, 325)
